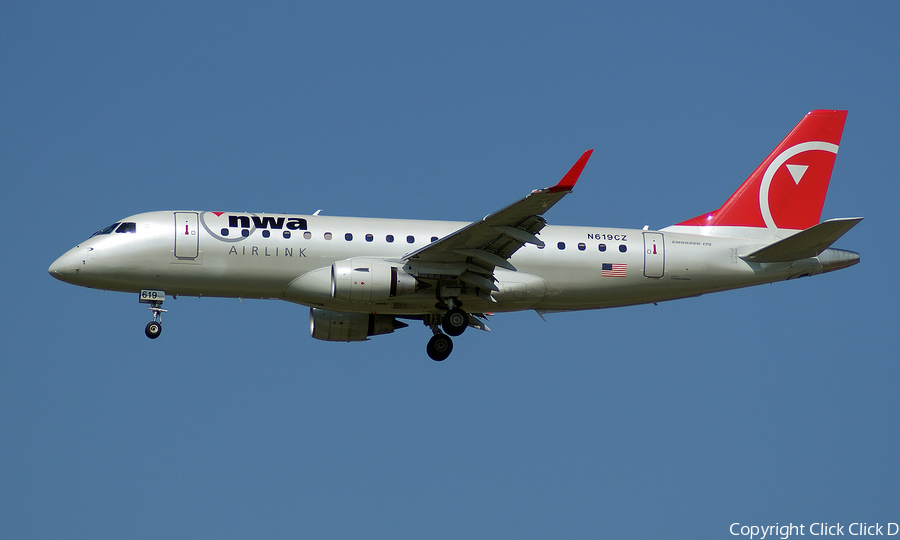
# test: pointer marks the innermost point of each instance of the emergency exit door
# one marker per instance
(654, 255)
(187, 239)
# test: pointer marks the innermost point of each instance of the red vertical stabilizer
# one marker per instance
(787, 190)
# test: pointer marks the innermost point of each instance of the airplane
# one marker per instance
(362, 277)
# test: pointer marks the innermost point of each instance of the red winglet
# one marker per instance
(568, 181)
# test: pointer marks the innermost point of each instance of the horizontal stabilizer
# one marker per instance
(808, 243)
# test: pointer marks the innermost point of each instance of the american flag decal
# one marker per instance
(613, 270)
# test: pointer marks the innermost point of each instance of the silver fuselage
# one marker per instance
(290, 258)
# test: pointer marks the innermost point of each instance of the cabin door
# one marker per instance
(187, 238)
(654, 255)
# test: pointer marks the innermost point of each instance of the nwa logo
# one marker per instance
(799, 173)
(238, 227)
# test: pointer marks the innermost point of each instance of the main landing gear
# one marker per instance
(439, 346)
(453, 323)
(155, 299)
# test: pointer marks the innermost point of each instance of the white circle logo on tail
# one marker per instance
(797, 172)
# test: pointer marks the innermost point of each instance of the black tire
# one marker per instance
(455, 322)
(439, 347)
(153, 329)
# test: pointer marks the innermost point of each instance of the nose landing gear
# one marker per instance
(153, 329)
(155, 299)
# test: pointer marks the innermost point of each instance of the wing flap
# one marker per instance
(521, 235)
(486, 257)
(479, 280)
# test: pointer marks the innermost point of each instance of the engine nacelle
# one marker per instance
(363, 280)
(330, 325)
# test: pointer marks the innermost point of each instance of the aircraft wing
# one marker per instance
(471, 253)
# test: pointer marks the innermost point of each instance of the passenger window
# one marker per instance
(581, 247)
(328, 236)
(369, 238)
(127, 227)
(266, 233)
(286, 234)
(389, 238)
(410, 239)
(623, 248)
(602, 247)
(348, 237)
(561, 245)
(307, 235)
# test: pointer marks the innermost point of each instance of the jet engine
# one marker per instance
(340, 326)
(368, 280)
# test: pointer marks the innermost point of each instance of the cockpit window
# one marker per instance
(107, 230)
(127, 227)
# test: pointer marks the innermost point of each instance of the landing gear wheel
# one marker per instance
(439, 347)
(455, 322)
(153, 329)
(155, 299)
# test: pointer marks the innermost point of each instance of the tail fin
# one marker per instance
(787, 190)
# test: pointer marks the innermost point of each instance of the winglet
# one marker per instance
(568, 181)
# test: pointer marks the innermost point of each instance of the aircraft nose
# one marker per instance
(58, 268)
(63, 268)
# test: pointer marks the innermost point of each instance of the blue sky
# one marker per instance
(775, 404)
